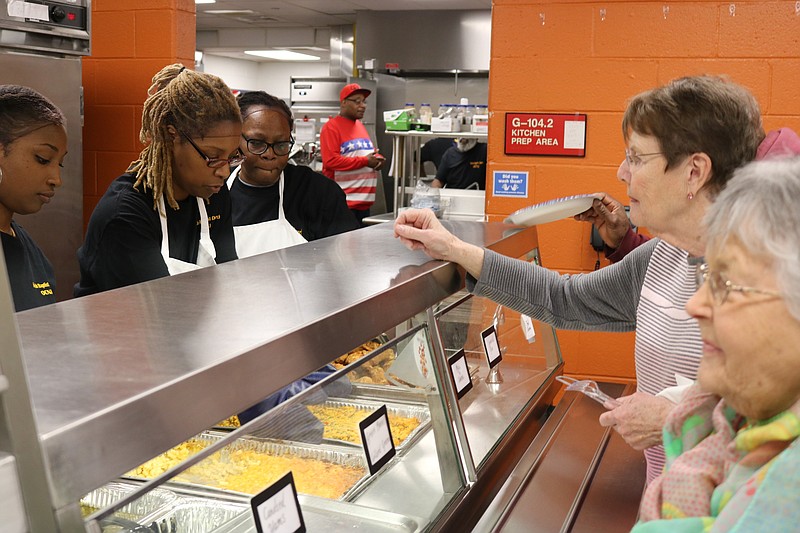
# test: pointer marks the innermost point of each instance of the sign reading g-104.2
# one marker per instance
(546, 134)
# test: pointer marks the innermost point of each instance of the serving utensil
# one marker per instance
(589, 388)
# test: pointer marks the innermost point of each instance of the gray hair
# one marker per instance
(759, 208)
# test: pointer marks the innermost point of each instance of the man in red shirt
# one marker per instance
(348, 155)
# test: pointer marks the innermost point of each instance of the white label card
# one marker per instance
(377, 438)
(491, 346)
(277, 509)
(28, 10)
(527, 328)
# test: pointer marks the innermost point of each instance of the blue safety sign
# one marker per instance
(514, 184)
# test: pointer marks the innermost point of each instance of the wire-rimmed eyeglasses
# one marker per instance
(635, 160)
(721, 287)
(258, 147)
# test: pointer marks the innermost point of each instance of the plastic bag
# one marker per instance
(426, 197)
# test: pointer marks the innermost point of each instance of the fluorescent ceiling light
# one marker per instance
(205, 1)
(282, 55)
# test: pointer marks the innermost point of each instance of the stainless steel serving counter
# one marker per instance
(118, 377)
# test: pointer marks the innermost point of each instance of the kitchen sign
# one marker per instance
(509, 183)
(545, 134)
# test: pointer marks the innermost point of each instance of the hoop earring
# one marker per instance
(690, 196)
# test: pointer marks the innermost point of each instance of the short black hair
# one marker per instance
(250, 99)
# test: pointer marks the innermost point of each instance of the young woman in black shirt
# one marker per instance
(33, 144)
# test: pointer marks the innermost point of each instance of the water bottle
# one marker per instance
(411, 111)
(425, 113)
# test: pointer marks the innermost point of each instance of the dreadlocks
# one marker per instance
(23, 110)
(187, 100)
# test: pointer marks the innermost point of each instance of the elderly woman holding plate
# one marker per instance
(733, 458)
(683, 142)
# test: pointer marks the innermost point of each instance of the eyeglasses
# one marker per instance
(721, 287)
(359, 102)
(215, 162)
(635, 160)
(258, 147)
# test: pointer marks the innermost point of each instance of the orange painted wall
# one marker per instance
(131, 41)
(576, 56)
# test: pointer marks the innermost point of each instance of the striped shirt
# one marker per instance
(345, 145)
(667, 339)
(646, 291)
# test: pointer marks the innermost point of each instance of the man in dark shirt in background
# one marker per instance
(463, 166)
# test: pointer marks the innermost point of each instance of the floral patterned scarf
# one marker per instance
(718, 463)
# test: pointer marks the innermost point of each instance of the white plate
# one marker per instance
(551, 210)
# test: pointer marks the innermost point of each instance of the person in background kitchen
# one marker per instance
(170, 212)
(33, 144)
(683, 141)
(609, 217)
(275, 204)
(433, 151)
(463, 166)
(348, 155)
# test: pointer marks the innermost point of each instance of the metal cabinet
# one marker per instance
(116, 378)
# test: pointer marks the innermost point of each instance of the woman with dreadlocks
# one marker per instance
(33, 144)
(170, 212)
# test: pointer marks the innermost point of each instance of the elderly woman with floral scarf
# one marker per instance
(733, 457)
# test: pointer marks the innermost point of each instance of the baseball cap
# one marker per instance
(352, 88)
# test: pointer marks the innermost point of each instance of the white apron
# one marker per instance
(205, 250)
(266, 236)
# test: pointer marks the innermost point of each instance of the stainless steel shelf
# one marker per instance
(118, 377)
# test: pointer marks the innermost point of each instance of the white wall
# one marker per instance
(270, 76)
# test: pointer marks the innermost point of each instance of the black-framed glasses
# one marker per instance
(359, 101)
(721, 287)
(258, 147)
(216, 162)
(635, 160)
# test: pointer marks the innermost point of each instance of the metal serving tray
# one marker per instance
(152, 502)
(420, 412)
(392, 393)
(333, 516)
(340, 455)
(195, 515)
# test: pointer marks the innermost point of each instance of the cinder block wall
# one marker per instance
(131, 41)
(590, 57)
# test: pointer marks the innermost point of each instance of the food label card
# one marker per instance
(527, 328)
(491, 346)
(377, 439)
(277, 510)
(459, 371)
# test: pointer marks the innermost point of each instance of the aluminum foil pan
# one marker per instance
(337, 455)
(388, 392)
(194, 515)
(420, 412)
(330, 515)
(154, 501)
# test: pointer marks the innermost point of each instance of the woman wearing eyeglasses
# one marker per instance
(170, 212)
(733, 456)
(275, 204)
(684, 140)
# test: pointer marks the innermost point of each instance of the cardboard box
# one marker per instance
(446, 124)
(480, 123)
(397, 120)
